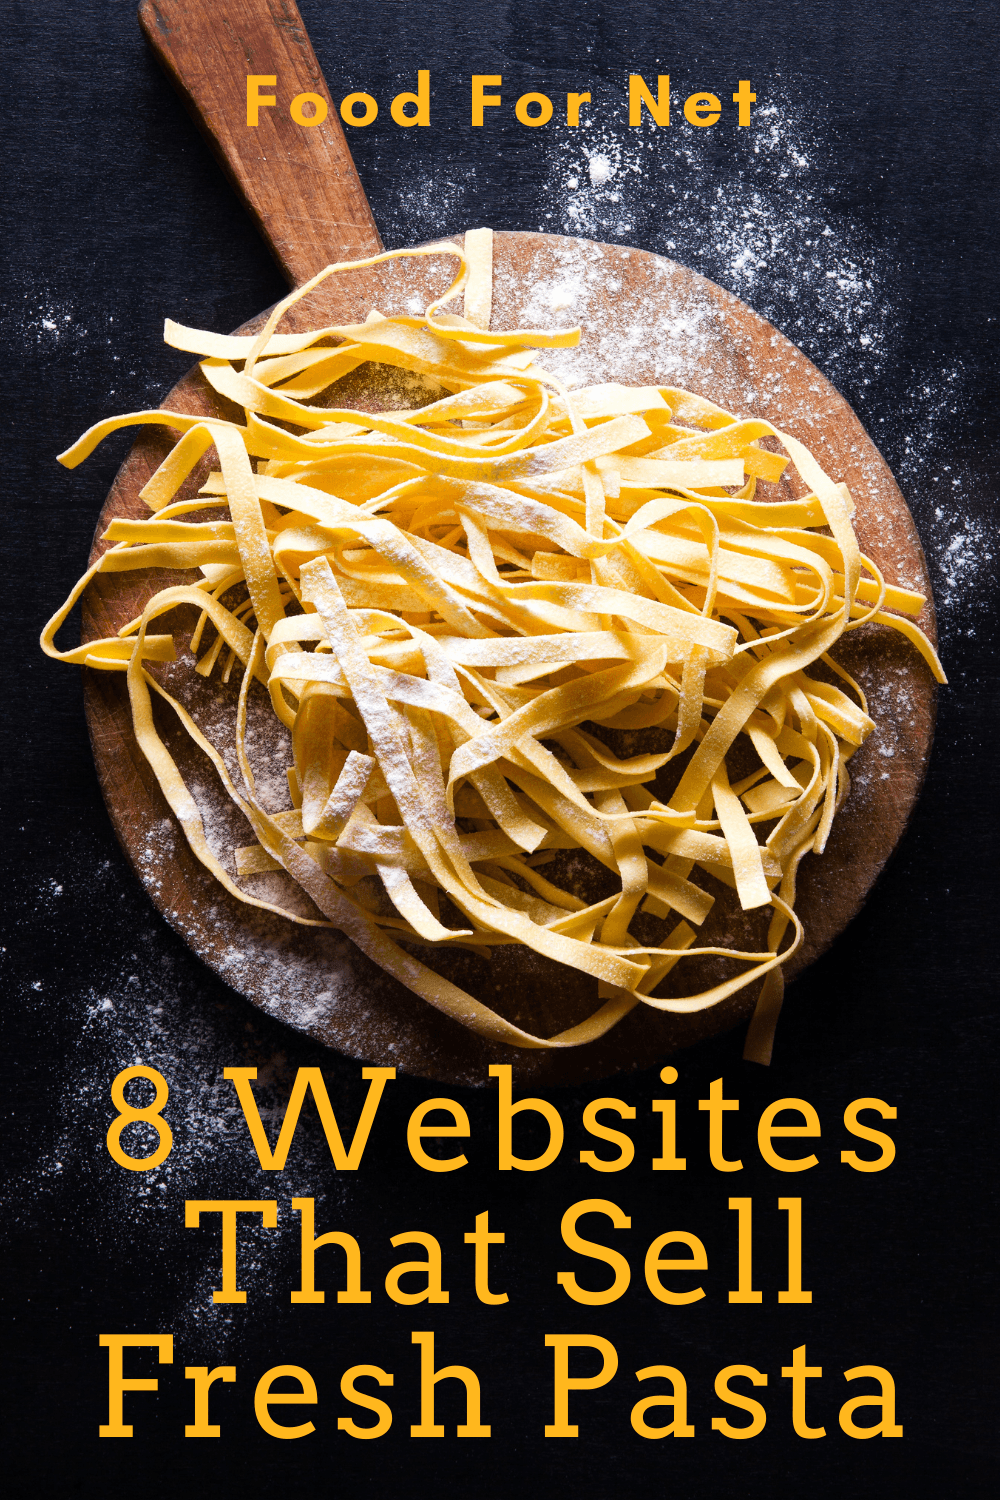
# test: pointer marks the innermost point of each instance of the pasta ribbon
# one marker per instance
(464, 611)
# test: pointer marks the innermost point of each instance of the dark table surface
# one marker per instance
(858, 213)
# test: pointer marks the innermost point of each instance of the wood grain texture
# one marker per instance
(646, 320)
(298, 182)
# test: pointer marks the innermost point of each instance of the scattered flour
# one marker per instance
(761, 219)
(144, 1001)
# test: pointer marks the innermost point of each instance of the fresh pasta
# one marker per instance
(454, 608)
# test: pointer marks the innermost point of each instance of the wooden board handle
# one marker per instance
(298, 181)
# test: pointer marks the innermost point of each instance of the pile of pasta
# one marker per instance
(447, 604)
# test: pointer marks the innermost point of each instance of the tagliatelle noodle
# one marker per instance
(439, 601)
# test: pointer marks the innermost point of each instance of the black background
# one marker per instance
(859, 214)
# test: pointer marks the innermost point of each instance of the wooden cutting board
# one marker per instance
(645, 321)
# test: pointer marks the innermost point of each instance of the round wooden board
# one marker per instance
(645, 321)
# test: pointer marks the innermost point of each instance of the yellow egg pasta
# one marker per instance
(456, 608)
